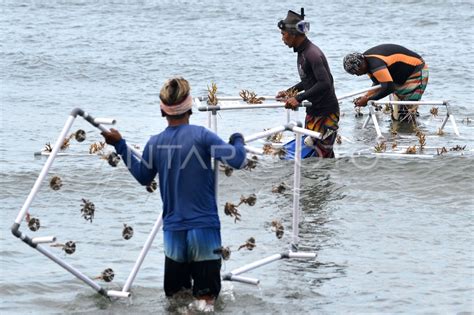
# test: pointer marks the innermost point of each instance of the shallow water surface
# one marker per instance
(391, 235)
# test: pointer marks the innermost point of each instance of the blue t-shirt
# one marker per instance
(181, 155)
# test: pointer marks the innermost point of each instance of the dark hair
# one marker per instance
(176, 117)
(174, 91)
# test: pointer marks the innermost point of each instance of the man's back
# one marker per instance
(182, 157)
(183, 160)
(400, 61)
(317, 80)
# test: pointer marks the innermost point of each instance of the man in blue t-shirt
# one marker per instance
(181, 156)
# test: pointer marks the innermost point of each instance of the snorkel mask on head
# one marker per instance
(302, 27)
(294, 23)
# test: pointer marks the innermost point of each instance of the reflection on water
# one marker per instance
(318, 190)
(405, 127)
(391, 235)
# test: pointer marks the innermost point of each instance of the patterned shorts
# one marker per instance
(411, 90)
(327, 126)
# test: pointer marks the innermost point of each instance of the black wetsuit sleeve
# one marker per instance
(386, 88)
(323, 80)
(298, 86)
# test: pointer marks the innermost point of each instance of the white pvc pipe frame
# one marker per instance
(273, 98)
(223, 106)
(36, 241)
(234, 274)
(372, 115)
(212, 123)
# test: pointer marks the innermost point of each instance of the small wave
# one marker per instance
(423, 23)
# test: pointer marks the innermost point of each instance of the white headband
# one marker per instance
(178, 109)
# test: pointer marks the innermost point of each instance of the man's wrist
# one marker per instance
(119, 144)
(236, 137)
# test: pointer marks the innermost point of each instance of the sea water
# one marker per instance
(391, 235)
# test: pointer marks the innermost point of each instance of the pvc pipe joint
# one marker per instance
(301, 255)
(119, 294)
(43, 239)
(242, 279)
(105, 121)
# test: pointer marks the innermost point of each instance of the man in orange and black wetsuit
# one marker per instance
(397, 69)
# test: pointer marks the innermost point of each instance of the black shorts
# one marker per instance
(205, 277)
